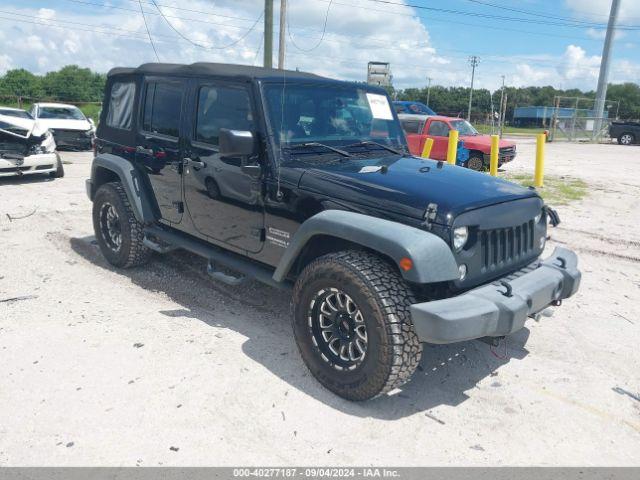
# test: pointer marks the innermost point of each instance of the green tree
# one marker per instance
(72, 83)
(22, 83)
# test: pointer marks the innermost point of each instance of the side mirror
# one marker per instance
(236, 143)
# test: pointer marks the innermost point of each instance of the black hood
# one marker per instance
(407, 185)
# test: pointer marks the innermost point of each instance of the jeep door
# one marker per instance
(158, 146)
(224, 203)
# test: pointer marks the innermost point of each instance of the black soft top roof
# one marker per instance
(240, 72)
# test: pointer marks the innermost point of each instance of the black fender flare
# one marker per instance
(131, 180)
(431, 256)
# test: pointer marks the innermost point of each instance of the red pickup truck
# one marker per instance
(418, 128)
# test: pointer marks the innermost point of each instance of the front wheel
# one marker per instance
(59, 173)
(352, 324)
(476, 163)
(118, 233)
(626, 139)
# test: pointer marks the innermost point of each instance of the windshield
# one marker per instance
(336, 115)
(463, 127)
(14, 113)
(63, 113)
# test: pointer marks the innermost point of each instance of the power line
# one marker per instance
(536, 14)
(171, 39)
(486, 55)
(457, 22)
(144, 19)
(324, 31)
(235, 42)
(573, 24)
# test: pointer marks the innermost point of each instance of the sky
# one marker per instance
(530, 42)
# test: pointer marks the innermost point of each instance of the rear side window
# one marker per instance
(222, 107)
(120, 108)
(439, 129)
(411, 126)
(162, 106)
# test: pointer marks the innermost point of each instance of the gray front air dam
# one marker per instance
(494, 310)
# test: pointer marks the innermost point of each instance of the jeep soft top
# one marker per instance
(306, 183)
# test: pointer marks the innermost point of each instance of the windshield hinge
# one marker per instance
(430, 214)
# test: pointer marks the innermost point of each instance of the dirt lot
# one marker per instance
(161, 366)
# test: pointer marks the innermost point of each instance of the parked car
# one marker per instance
(418, 128)
(627, 133)
(380, 250)
(412, 108)
(70, 128)
(25, 146)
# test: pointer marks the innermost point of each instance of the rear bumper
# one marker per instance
(496, 309)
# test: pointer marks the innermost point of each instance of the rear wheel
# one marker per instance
(626, 139)
(353, 326)
(118, 233)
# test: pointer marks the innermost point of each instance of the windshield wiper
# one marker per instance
(317, 144)
(381, 145)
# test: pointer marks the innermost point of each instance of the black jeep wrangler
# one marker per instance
(305, 183)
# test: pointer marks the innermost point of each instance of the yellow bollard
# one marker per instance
(452, 151)
(495, 152)
(538, 180)
(428, 145)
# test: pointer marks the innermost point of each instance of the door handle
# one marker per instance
(197, 164)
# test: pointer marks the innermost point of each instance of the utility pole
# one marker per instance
(268, 33)
(283, 31)
(603, 79)
(474, 61)
(500, 119)
(428, 90)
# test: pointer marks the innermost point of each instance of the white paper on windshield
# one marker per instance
(380, 107)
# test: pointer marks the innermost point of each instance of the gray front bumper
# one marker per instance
(496, 309)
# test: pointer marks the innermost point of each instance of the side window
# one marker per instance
(120, 108)
(411, 126)
(162, 106)
(221, 107)
(439, 129)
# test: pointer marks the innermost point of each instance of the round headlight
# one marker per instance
(460, 237)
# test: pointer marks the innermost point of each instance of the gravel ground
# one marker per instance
(162, 366)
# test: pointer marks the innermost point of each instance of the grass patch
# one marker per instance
(486, 129)
(556, 190)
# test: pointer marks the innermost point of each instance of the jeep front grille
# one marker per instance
(504, 246)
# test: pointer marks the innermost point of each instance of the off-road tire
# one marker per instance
(476, 162)
(132, 251)
(59, 173)
(393, 350)
(626, 138)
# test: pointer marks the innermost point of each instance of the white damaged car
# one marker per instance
(70, 127)
(26, 147)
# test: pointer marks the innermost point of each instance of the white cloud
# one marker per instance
(576, 64)
(598, 10)
(100, 38)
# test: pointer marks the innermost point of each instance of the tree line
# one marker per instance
(455, 100)
(69, 84)
(75, 84)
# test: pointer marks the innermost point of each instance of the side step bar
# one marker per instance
(216, 255)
